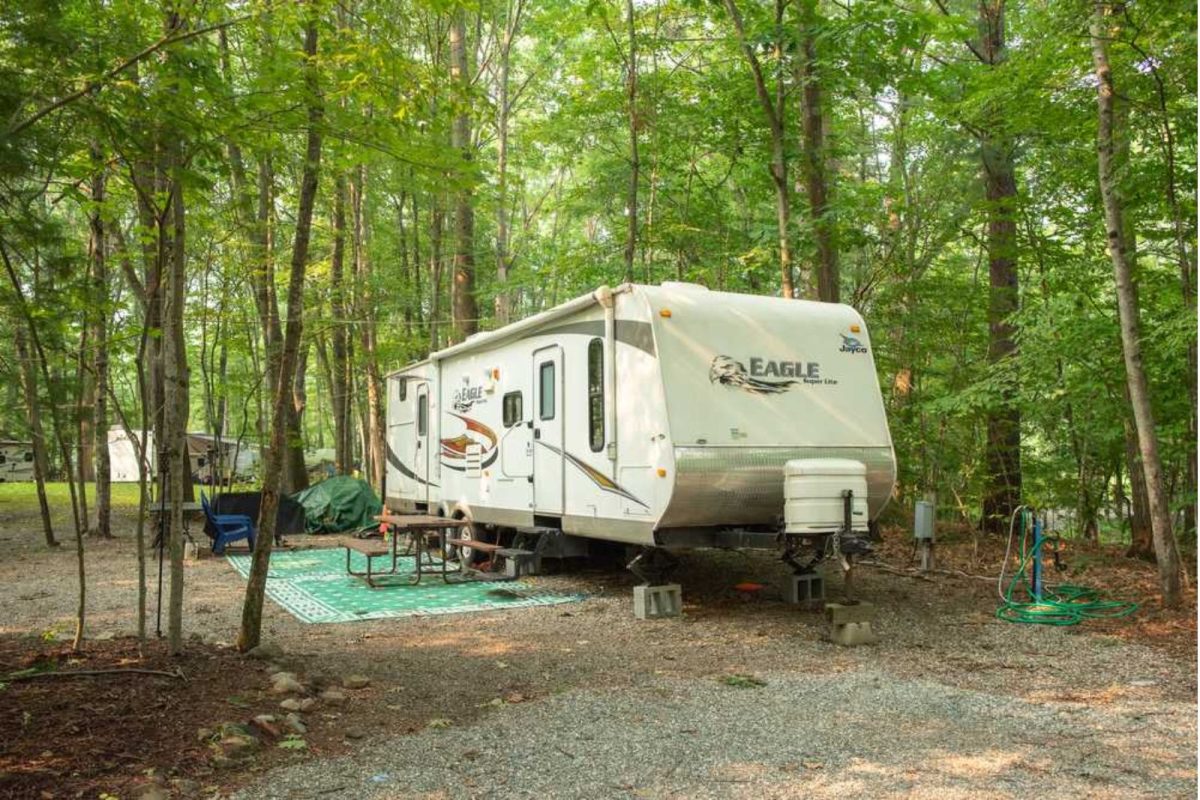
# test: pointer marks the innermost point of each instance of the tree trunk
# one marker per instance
(631, 98)
(373, 454)
(1141, 532)
(84, 403)
(814, 164)
(285, 361)
(99, 262)
(463, 309)
(63, 449)
(175, 382)
(503, 264)
(1002, 459)
(340, 369)
(773, 110)
(1166, 549)
(33, 413)
(437, 222)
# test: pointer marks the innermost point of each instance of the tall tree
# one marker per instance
(464, 309)
(1166, 549)
(97, 247)
(815, 164)
(773, 110)
(1002, 457)
(283, 361)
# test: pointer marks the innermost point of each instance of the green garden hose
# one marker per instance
(1061, 604)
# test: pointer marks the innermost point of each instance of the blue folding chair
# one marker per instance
(227, 527)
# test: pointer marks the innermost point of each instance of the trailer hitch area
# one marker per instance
(791, 553)
(653, 566)
(849, 541)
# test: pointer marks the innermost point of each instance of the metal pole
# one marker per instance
(1037, 559)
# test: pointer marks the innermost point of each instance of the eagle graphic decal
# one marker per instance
(729, 371)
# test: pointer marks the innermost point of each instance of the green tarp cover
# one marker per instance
(338, 504)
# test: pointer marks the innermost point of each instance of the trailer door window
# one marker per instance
(596, 395)
(513, 411)
(546, 389)
(422, 414)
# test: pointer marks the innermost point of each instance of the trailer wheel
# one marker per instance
(464, 555)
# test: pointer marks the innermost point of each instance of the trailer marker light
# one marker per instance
(665, 312)
(662, 473)
(496, 374)
(855, 329)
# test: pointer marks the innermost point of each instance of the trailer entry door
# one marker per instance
(421, 449)
(548, 431)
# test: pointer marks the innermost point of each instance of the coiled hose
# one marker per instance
(1061, 604)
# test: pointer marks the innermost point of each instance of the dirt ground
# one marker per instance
(460, 670)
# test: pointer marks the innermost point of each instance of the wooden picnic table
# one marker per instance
(419, 528)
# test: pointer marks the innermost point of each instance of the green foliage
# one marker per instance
(905, 98)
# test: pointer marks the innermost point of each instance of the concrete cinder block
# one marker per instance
(852, 634)
(657, 602)
(842, 613)
(804, 589)
(519, 562)
(850, 623)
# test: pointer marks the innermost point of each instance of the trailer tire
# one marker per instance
(464, 555)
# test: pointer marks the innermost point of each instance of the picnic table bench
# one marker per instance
(420, 528)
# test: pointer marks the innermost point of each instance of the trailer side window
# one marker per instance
(596, 395)
(513, 411)
(422, 414)
(403, 389)
(546, 389)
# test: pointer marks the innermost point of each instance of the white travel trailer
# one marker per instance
(122, 456)
(661, 416)
(240, 460)
(16, 461)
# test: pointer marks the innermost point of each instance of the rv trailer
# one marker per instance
(662, 416)
(16, 461)
(233, 460)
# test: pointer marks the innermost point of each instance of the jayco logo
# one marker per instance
(851, 345)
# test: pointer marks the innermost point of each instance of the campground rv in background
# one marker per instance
(661, 416)
(208, 459)
(16, 461)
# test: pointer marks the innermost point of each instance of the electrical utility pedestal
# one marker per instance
(923, 519)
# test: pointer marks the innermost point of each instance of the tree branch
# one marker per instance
(91, 86)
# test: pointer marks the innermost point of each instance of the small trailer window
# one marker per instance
(422, 414)
(596, 395)
(403, 390)
(513, 411)
(546, 388)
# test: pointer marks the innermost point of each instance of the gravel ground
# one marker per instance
(861, 734)
(951, 701)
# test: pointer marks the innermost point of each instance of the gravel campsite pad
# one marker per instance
(742, 696)
(863, 734)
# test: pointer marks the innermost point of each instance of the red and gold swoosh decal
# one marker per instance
(456, 449)
(596, 476)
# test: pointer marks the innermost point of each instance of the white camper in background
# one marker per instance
(16, 461)
(122, 456)
(661, 416)
(240, 461)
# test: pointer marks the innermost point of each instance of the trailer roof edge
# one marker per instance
(515, 329)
